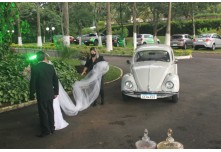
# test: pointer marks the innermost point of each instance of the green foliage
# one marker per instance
(14, 86)
(7, 18)
(100, 26)
(112, 74)
(119, 32)
(67, 74)
(208, 15)
(177, 27)
(206, 30)
(182, 52)
(87, 30)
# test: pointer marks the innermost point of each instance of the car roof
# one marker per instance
(154, 47)
(179, 34)
(144, 34)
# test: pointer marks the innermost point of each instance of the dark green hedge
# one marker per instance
(177, 27)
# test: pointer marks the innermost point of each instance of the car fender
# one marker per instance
(173, 78)
(125, 78)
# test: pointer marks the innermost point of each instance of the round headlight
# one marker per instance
(128, 84)
(169, 85)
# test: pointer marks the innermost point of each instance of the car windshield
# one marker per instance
(204, 36)
(156, 55)
(177, 37)
(92, 34)
(139, 36)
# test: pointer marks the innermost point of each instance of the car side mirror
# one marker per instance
(128, 62)
(176, 61)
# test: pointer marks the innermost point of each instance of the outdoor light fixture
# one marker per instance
(51, 32)
(33, 57)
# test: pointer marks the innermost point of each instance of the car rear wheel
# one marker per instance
(96, 42)
(195, 48)
(175, 98)
(213, 47)
(185, 46)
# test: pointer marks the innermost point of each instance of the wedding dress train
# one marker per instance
(85, 91)
(59, 121)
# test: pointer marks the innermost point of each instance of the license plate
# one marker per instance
(174, 45)
(148, 96)
(200, 40)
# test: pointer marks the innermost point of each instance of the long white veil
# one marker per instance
(84, 92)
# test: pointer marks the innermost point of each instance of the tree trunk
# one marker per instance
(134, 26)
(109, 31)
(39, 40)
(61, 14)
(193, 22)
(167, 37)
(66, 24)
(19, 32)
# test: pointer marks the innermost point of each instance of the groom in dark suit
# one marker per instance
(44, 82)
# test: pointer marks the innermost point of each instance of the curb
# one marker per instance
(183, 57)
(17, 106)
(121, 74)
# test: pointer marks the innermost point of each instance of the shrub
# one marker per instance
(14, 87)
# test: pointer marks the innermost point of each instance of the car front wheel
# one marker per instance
(175, 98)
(213, 47)
(124, 97)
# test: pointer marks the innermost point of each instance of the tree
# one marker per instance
(81, 18)
(7, 21)
(134, 25)
(109, 31)
(39, 39)
(66, 24)
(167, 37)
(19, 25)
(99, 15)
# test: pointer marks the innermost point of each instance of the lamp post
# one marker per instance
(51, 32)
(10, 32)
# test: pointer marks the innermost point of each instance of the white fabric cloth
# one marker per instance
(85, 92)
(60, 123)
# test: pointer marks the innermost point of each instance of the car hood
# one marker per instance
(149, 75)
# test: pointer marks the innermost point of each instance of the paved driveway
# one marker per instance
(195, 119)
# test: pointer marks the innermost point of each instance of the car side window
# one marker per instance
(214, 36)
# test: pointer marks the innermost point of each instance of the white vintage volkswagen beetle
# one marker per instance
(153, 74)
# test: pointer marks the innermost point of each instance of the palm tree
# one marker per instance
(167, 37)
(109, 31)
